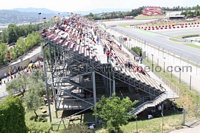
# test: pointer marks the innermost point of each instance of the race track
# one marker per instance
(161, 40)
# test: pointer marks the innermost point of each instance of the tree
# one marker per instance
(17, 85)
(12, 116)
(5, 36)
(13, 53)
(3, 52)
(32, 89)
(37, 76)
(114, 111)
(12, 33)
(20, 46)
(137, 50)
(36, 89)
(32, 100)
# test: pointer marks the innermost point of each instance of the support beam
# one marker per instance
(114, 84)
(52, 82)
(94, 92)
(45, 77)
(110, 84)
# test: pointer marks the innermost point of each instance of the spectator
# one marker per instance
(108, 55)
(9, 72)
(104, 49)
(120, 46)
(111, 48)
(150, 116)
(5, 75)
(140, 60)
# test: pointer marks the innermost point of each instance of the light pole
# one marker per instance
(136, 124)
(152, 62)
(44, 22)
(190, 82)
(163, 52)
(184, 116)
(179, 74)
(59, 18)
(162, 117)
(39, 17)
(197, 67)
(39, 20)
(171, 73)
(164, 63)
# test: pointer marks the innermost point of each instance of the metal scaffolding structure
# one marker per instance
(79, 77)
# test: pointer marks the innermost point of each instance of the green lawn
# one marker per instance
(151, 126)
(38, 126)
(175, 39)
(125, 25)
(149, 17)
(193, 45)
(171, 121)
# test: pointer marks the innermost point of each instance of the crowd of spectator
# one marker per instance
(116, 54)
(12, 74)
(77, 34)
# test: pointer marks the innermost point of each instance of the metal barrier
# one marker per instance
(174, 88)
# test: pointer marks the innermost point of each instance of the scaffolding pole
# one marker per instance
(94, 92)
(52, 84)
(45, 77)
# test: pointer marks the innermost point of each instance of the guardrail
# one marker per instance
(3, 95)
(165, 80)
(13, 66)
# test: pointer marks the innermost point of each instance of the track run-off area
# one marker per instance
(160, 38)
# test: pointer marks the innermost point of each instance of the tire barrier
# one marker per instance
(173, 26)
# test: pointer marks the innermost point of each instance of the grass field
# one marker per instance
(175, 39)
(125, 25)
(149, 17)
(193, 45)
(171, 120)
(167, 22)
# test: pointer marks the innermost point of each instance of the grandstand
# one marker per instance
(80, 73)
(152, 11)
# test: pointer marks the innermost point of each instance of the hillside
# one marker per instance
(30, 15)
(11, 16)
(101, 10)
(36, 10)
(27, 15)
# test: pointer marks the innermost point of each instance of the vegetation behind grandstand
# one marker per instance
(189, 12)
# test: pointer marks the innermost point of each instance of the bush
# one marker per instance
(78, 128)
(12, 116)
(137, 50)
(38, 127)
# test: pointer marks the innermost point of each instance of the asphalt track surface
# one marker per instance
(128, 22)
(161, 40)
(178, 32)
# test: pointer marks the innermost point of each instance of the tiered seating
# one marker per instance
(121, 60)
(78, 36)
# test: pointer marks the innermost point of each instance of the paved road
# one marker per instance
(27, 56)
(178, 32)
(191, 128)
(132, 22)
(163, 42)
